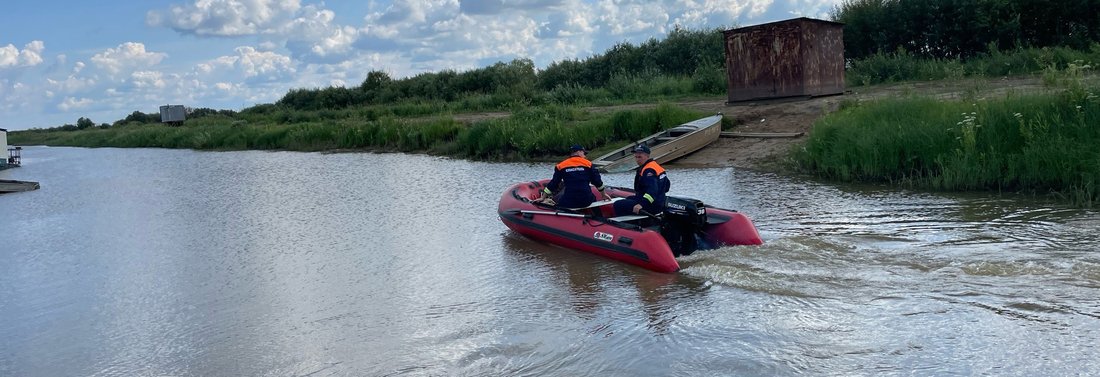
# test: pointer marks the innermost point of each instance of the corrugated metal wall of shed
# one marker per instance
(762, 61)
(797, 57)
(823, 58)
(173, 113)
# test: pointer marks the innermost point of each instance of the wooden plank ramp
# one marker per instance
(764, 135)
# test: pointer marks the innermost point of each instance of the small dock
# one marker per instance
(7, 185)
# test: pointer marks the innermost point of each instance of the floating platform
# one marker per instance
(7, 185)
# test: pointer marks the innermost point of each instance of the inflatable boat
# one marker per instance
(649, 241)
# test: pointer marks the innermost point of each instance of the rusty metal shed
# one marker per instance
(801, 57)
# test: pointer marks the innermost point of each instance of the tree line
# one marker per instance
(682, 53)
(690, 62)
(960, 29)
(936, 29)
(138, 117)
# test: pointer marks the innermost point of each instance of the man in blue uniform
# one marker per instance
(650, 185)
(572, 176)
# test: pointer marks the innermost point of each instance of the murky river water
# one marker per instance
(145, 262)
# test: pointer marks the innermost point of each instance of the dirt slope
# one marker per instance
(799, 116)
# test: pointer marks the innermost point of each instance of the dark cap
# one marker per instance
(641, 148)
(576, 147)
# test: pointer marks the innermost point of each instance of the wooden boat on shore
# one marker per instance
(7, 185)
(665, 146)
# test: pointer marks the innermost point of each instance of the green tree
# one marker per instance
(376, 80)
(83, 123)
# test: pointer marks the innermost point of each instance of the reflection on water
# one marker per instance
(163, 262)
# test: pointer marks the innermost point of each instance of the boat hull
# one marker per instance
(665, 146)
(594, 230)
(724, 227)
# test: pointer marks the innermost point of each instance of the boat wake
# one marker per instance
(804, 266)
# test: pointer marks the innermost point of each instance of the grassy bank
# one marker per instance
(902, 65)
(531, 132)
(1039, 143)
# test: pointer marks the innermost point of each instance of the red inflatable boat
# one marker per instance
(650, 242)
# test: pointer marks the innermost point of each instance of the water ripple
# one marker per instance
(155, 262)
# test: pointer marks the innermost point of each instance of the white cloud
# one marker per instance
(148, 80)
(493, 7)
(268, 45)
(71, 103)
(404, 12)
(71, 84)
(250, 73)
(15, 97)
(628, 18)
(309, 32)
(263, 65)
(226, 18)
(6, 88)
(313, 36)
(126, 58)
(217, 64)
(573, 23)
(442, 34)
(30, 55)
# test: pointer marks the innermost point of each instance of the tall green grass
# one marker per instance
(388, 134)
(902, 65)
(1040, 143)
(531, 132)
(550, 130)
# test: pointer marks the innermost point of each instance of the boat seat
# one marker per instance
(598, 203)
(627, 218)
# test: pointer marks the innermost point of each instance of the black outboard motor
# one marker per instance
(683, 219)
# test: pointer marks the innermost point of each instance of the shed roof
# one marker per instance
(781, 22)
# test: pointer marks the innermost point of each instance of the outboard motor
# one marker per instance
(683, 219)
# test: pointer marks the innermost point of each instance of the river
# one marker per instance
(151, 262)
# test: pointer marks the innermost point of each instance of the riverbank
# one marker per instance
(1040, 141)
(755, 153)
(768, 154)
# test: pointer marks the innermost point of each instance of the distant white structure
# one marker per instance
(13, 154)
(175, 114)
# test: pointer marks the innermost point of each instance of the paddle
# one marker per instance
(644, 212)
(552, 213)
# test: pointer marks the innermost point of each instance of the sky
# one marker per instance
(63, 60)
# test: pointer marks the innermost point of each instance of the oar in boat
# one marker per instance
(552, 213)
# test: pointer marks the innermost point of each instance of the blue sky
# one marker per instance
(62, 60)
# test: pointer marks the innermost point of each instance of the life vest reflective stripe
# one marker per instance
(574, 162)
